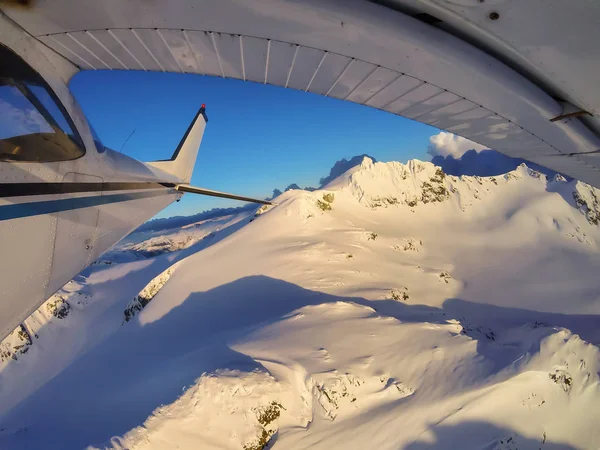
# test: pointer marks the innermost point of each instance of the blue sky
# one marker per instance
(258, 137)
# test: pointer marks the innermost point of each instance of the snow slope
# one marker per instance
(396, 308)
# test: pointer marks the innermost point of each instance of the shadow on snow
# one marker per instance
(117, 384)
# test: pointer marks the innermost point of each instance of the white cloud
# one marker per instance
(448, 144)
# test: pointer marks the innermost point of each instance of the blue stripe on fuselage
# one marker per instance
(19, 210)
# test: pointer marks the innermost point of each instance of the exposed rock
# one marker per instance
(329, 197)
(562, 378)
(378, 202)
(400, 294)
(474, 331)
(148, 293)
(265, 415)
(587, 200)
(410, 245)
(15, 344)
(58, 306)
(435, 190)
(263, 209)
(445, 276)
(325, 204)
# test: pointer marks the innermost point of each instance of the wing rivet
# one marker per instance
(494, 15)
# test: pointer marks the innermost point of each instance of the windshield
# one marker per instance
(34, 126)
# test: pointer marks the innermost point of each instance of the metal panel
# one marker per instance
(305, 66)
(134, 48)
(447, 122)
(516, 142)
(74, 242)
(511, 138)
(157, 49)
(181, 51)
(255, 60)
(202, 47)
(553, 39)
(498, 128)
(447, 111)
(474, 125)
(413, 97)
(321, 61)
(203, 51)
(90, 49)
(113, 50)
(436, 102)
(282, 54)
(394, 90)
(228, 47)
(27, 265)
(118, 219)
(328, 74)
(373, 84)
(61, 44)
(353, 76)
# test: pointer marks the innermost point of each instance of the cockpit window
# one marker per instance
(47, 102)
(34, 126)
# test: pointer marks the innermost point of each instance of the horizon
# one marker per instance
(259, 137)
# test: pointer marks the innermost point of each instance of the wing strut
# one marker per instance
(211, 193)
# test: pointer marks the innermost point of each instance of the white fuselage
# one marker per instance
(56, 218)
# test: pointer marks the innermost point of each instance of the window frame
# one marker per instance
(38, 80)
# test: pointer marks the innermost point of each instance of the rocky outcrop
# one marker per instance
(148, 293)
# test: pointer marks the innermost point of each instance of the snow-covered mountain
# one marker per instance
(397, 307)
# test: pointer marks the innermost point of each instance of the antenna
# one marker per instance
(126, 141)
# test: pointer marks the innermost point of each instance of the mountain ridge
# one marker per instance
(397, 307)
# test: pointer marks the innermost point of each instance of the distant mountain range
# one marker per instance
(484, 163)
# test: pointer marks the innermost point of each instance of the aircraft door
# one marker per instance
(26, 246)
(76, 229)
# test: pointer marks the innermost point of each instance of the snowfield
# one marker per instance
(396, 308)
